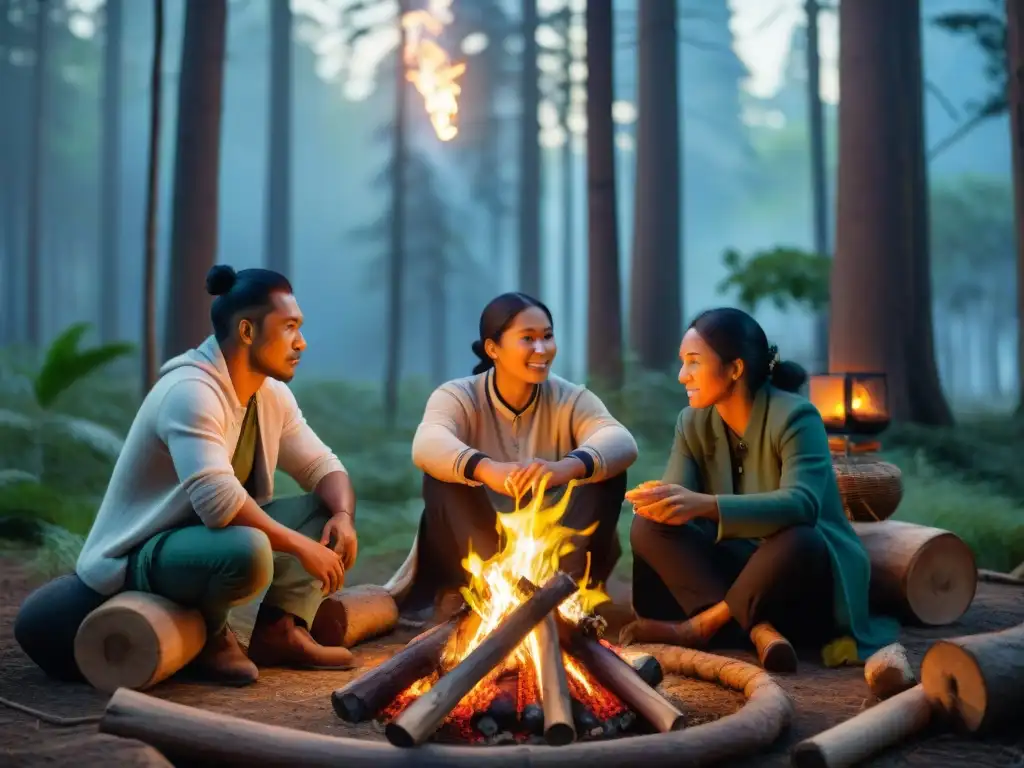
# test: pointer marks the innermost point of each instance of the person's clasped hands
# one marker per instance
(516, 478)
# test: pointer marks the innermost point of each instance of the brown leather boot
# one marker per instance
(278, 641)
(222, 660)
(774, 651)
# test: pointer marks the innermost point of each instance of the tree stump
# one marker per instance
(978, 680)
(135, 640)
(924, 574)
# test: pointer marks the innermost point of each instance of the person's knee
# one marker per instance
(797, 543)
(643, 536)
(248, 560)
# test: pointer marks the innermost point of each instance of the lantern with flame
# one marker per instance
(851, 403)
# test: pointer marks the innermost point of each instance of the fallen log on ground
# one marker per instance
(135, 640)
(875, 729)
(191, 735)
(977, 681)
(888, 671)
(927, 575)
(996, 577)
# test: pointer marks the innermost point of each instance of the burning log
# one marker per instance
(888, 671)
(615, 673)
(925, 574)
(421, 718)
(978, 680)
(135, 640)
(366, 611)
(554, 686)
(645, 665)
(364, 697)
(620, 678)
(873, 730)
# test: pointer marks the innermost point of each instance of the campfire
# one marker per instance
(522, 661)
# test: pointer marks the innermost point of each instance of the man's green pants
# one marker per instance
(232, 570)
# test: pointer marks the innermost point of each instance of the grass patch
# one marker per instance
(964, 479)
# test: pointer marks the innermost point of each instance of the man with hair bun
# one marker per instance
(188, 513)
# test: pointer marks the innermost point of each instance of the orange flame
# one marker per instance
(533, 543)
(430, 68)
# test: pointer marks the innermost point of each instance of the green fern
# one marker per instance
(66, 364)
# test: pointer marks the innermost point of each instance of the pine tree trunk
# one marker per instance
(819, 180)
(10, 200)
(655, 308)
(150, 363)
(196, 174)
(437, 326)
(529, 159)
(881, 318)
(566, 325)
(279, 181)
(396, 258)
(1015, 80)
(109, 293)
(37, 167)
(604, 301)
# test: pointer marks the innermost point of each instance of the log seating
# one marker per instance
(135, 640)
(922, 574)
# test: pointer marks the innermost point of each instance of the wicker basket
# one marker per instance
(871, 489)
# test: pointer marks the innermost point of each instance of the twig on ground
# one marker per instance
(46, 717)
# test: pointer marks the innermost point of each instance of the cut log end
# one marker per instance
(560, 734)
(926, 574)
(807, 754)
(136, 640)
(953, 678)
(350, 707)
(942, 581)
(399, 736)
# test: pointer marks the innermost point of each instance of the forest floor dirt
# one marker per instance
(301, 700)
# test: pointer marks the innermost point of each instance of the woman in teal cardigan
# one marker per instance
(746, 526)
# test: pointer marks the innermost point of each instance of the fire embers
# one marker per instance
(507, 710)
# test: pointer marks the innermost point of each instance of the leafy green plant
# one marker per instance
(41, 442)
(783, 275)
(65, 363)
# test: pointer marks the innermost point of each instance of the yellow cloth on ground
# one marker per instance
(841, 652)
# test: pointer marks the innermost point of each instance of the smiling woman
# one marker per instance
(746, 527)
(491, 436)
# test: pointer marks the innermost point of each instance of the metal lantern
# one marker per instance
(851, 403)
